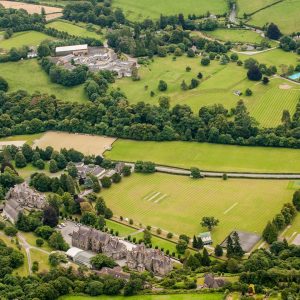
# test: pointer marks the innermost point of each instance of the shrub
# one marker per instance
(205, 61)
(39, 242)
(2, 225)
(158, 231)
(10, 231)
(162, 86)
(248, 92)
(169, 235)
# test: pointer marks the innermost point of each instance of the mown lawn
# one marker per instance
(217, 86)
(75, 29)
(24, 38)
(205, 156)
(284, 14)
(178, 203)
(142, 9)
(41, 258)
(210, 296)
(28, 75)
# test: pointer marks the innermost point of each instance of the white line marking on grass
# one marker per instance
(149, 195)
(161, 198)
(154, 196)
(230, 208)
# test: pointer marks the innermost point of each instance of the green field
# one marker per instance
(248, 7)
(142, 9)
(284, 14)
(238, 203)
(268, 108)
(29, 76)
(211, 296)
(208, 156)
(217, 86)
(75, 29)
(276, 57)
(25, 38)
(235, 35)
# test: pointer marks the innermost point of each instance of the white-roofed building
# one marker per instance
(72, 252)
(74, 49)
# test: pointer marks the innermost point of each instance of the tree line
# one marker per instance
(113, 115)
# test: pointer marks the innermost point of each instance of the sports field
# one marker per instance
(208, 156)
(217, 86)
(87, 144)
(24, 38)
(203, 296)
(284, 14)
(142, 9)
(238, 203)
(75, 29)
(29, 76)
(268, 108)
(248, 7)
(235, 35)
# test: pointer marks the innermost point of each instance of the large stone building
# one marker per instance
(97, 241)
(22, 196)
(152, 260)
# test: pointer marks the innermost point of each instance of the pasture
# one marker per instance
(87, 144)
(28, 75)
(51, 12)
(211, 157)
(217, 86)
(202, 296)
(248, 7)
(24, 38)
(75, 29)
(238, 203)
(142, 9)
(235, 35)
(284, 14)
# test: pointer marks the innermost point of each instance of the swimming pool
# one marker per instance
(295, 76)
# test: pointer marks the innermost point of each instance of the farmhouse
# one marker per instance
(74, 49)
(19, 197)
(152, 260)
(97, 241)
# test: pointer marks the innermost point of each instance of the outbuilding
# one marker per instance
(74, 49)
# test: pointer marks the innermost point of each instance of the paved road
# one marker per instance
(185, 172)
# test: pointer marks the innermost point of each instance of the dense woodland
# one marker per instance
(112, 115)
